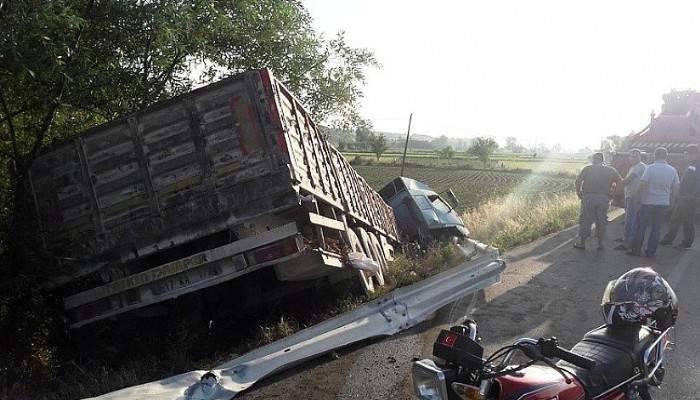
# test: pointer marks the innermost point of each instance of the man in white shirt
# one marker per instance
(632, 205)
(658, 185)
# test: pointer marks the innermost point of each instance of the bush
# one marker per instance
(519, 219)
(415, 265)
(359, 160)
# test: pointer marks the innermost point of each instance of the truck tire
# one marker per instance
(372, 253)
(365, 278)
(377, 247)
(387, 248)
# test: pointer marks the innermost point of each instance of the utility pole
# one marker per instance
(405, 148)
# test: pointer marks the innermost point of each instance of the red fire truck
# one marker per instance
(676, 127)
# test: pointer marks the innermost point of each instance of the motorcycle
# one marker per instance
(609, 363)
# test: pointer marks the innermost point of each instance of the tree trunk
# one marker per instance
(25, 248)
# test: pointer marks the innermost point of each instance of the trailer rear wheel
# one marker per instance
(372, 252)
(365, 277)
(377, 247)
(386, 248)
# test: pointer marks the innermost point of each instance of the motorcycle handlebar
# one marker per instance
(573, 358)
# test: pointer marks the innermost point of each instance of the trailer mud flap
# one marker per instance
(397, 311)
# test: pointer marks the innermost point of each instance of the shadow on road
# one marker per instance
(550, 288)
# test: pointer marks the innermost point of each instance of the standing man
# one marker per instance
(631, 184)
(688, 195)
(657, 188)
(593, 187)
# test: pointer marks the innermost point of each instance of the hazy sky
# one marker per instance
(553, 71)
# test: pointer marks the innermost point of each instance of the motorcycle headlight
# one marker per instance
(429, 381)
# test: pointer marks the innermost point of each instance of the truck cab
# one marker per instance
(422, 214)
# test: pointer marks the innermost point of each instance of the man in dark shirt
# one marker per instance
(593, 187)
(688, 196)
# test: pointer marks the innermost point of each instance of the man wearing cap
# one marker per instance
(593, 186)
(658, 186)
(688, 195)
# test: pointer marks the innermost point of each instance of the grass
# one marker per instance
(472, 187)
(516, 219)
(409, 267)
(555, 164)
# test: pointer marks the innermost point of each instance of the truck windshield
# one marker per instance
(440, 205)
(423, 202)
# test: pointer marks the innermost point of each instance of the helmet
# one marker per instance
(640, 296)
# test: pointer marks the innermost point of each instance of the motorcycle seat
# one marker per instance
(618, 353)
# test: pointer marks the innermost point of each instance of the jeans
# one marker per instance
(631, 210)
(683, 214)
(649, 215)
(595, 209)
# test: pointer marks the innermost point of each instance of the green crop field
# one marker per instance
(555, 164)
(472, 187)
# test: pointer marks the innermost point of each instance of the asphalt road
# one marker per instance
(548, 289)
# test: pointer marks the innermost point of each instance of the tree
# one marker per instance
(446, 152)
(377, 143)
(482, 148)
(69, 65)
(363, 133)
(440, 142)
(511, 143)
(611, 143)
(463, 144)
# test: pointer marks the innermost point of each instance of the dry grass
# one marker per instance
(515, 220)
(411, 266)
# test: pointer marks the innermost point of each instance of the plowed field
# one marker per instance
(471, 187)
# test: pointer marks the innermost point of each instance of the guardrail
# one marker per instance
(399, 310)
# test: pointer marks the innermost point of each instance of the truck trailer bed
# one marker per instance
(188, 168)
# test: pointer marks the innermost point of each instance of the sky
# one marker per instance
(568, 72)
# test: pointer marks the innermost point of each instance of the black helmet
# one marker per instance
(640, 296)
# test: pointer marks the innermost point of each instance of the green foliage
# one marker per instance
(446, 152)
(440, 142)
(68, 65)
(482, 148)
(377, 144)
(363, 132)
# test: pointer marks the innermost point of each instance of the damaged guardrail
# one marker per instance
(399, 310)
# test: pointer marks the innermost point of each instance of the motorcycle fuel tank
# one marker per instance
(538, 383)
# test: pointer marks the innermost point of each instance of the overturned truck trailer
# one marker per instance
(199, 190)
